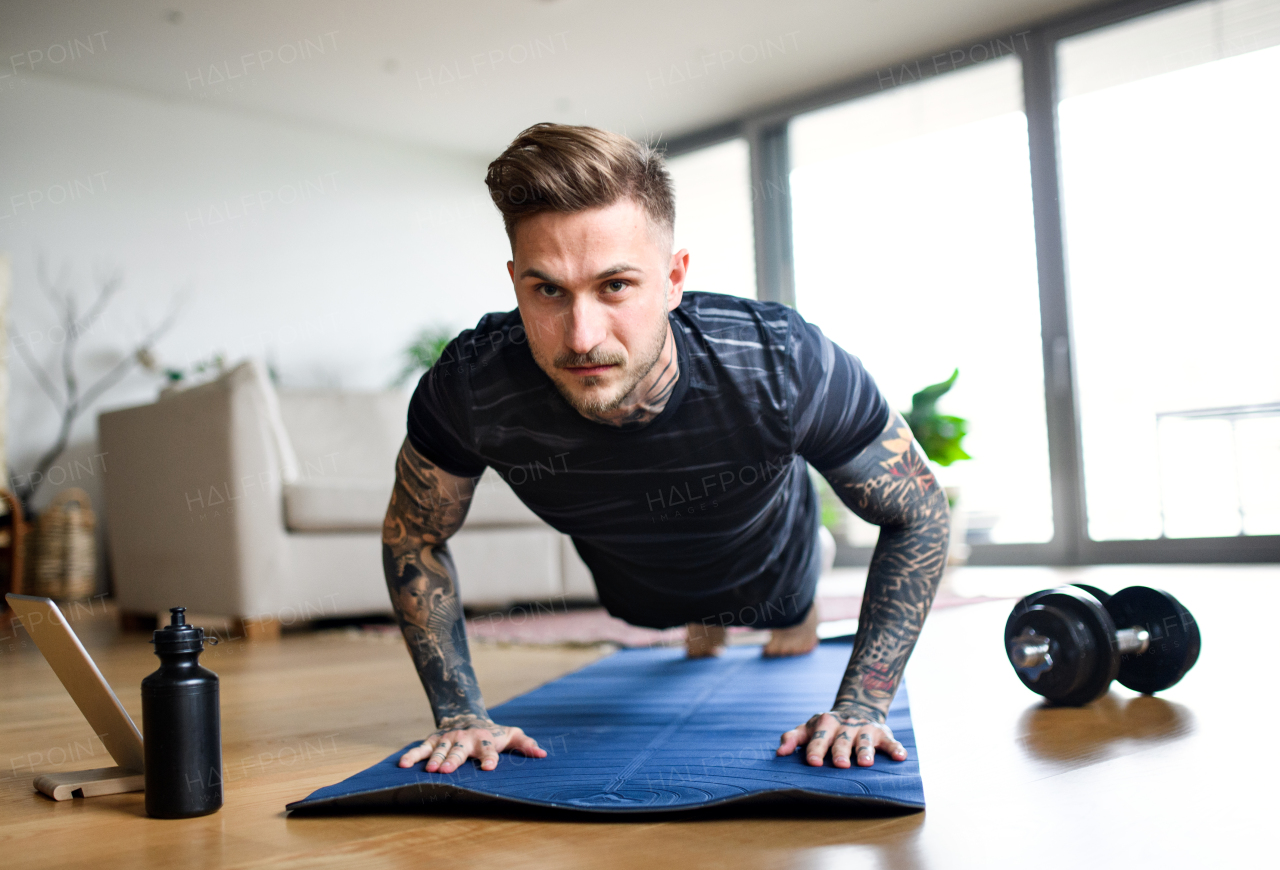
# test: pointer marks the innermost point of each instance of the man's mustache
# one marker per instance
(594, 357)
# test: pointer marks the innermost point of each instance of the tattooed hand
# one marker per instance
(427, 506)
(846, 733)
(889, 484)
(463, 737)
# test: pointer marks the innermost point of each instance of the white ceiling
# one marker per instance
(466, 76)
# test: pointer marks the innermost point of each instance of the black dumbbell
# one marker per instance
(1064, 644)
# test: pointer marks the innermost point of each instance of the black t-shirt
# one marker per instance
(706, 510)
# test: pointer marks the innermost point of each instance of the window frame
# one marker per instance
(766, 132)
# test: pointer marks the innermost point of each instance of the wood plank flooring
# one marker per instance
(1181, 780)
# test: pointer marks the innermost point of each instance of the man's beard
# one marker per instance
(638, 371)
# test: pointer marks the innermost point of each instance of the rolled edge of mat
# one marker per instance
(421, 795)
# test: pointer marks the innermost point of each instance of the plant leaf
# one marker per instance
(422, 352)
(938, 434)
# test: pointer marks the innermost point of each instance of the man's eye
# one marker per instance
(615, 286)
(548, 290)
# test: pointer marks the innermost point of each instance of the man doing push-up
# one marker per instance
(684, 423)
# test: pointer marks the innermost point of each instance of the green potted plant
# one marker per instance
(422, 352)
(940, 436)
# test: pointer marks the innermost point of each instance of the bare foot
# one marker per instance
(703, 641)
(797, 640)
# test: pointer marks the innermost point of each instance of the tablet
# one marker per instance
(83, 681)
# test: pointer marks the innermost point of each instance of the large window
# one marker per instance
(713, 217)
(1170, 130)
(1102, 196)
(915, 250)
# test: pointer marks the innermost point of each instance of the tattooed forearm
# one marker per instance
(890, 484)
(427, 506)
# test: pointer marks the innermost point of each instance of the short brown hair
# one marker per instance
(561, 168)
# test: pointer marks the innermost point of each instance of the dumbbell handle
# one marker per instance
(1028, 651)
(1133, 641)
(1032, 650)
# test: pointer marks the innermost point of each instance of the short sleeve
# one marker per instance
(837, 409)
(439, 425)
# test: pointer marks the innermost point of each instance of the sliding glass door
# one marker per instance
(1169, 129)
(915, 250)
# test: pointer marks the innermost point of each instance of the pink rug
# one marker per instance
(545, 625)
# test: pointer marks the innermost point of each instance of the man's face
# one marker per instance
(594, 288)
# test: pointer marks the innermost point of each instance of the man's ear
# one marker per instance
(511, 270)
(675, 282)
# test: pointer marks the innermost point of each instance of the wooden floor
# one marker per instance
(1183, 780)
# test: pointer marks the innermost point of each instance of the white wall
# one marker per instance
(321, 250)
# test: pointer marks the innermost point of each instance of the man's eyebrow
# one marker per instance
(616, 269)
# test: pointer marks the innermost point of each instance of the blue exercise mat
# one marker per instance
(648, 731)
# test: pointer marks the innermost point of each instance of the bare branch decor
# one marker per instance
(71, 401)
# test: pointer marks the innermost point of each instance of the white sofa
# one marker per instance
(230, 499)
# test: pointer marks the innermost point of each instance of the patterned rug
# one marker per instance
(554, 624)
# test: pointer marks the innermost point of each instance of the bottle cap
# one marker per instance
(177, 636)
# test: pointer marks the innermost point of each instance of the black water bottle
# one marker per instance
(181, 733)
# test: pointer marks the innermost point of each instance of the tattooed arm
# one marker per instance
(427, 506)
(889, 484)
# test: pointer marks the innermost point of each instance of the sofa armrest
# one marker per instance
(193, 493)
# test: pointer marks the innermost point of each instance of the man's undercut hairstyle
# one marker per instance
(567, 169)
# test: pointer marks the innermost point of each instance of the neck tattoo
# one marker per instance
(644, 403)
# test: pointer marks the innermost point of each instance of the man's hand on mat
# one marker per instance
(843, 733)
(463, 737)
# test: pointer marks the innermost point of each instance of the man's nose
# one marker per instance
(586, 326)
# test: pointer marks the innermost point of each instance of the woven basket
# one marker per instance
(61, 556)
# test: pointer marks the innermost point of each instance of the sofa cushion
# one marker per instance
(497, 565)
(496, 504)
(346, 446)
(335, 504)
(347, 435)
(329, 504)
